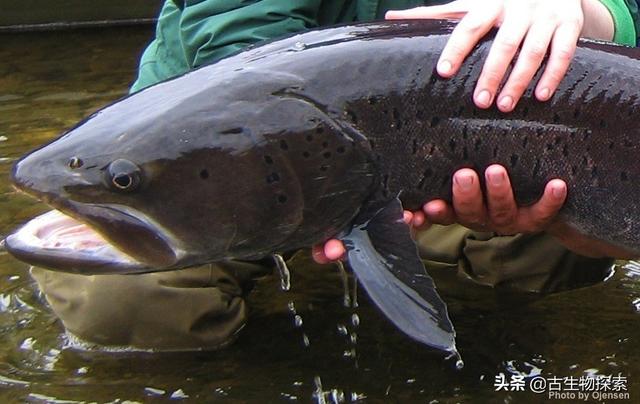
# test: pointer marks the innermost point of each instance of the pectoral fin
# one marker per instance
(385, 260)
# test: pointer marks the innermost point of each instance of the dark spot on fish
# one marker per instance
(372, 100)
(434, 121)
(603, 123)
(310, 137)
(514, 160)
(340, 149)
(420, 115)
(452, 144)
(282, 198)
(465, 132)
(624, 176)
(75, 162)
(268, 160)
(306, 154)
(525, 141)
(556, 118)
(414, 149)
(565, 150)
(273, 177)
(627, 143)
(284, 145)
(232, 131)
(477, 144)
(495, 151)
(611, 145)
(539, 132)
(536, 168)
(319, 130)
(351, 116)
(324, 167)
(574, 170)
(326, 155)
(325, 144)
(428, 172)
(525, 112)
(204, 174)
(594, 172)
(576, 113)
(458, 112)
(549, 146)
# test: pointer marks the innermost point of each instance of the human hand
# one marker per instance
(533, 26)
(499, 214)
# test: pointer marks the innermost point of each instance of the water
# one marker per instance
(48, 81)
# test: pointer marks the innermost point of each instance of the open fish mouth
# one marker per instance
(58, 241)
(111, 241)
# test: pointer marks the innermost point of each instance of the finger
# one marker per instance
(439, 212)
(504, 47)
(455, 10)
(317, 253)
(500, 202)
(563, 46)
(539, 216)
(418, 219)
(407, 216)
(529, 60)
(334, 249)
(466, 35)
(467, 199)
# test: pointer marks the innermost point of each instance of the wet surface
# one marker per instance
(299, 345)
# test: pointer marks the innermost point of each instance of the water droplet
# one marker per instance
(152, 391)
(292, 307)
(355, 319)
(27, 344)
(353, 337)
(299, 46)
(178, 394)
(83, 371)
(342, 329)
(305, 340)
(285, 275)
(297, 321)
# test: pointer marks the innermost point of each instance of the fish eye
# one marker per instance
(75, 162)
(123, 175)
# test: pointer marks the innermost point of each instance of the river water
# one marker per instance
(331, 353)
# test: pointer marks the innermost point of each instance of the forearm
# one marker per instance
(598, 21)
(610, 20)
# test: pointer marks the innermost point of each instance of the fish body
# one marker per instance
(329, 133)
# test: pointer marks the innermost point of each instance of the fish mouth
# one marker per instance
(91, 240)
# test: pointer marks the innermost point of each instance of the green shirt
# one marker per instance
(196, 32)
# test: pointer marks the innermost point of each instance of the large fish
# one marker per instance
(328, 133)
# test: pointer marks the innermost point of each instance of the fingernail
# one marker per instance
(444, 67)
(544, 94)
(496, 178)
(557, 192)
(483, 99)
(506, 103)
(464, 181)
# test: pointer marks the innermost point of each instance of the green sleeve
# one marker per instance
(203, 31)
(625, 16)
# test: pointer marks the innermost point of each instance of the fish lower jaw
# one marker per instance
(57, 241)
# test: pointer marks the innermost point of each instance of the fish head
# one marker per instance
(140, 189)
